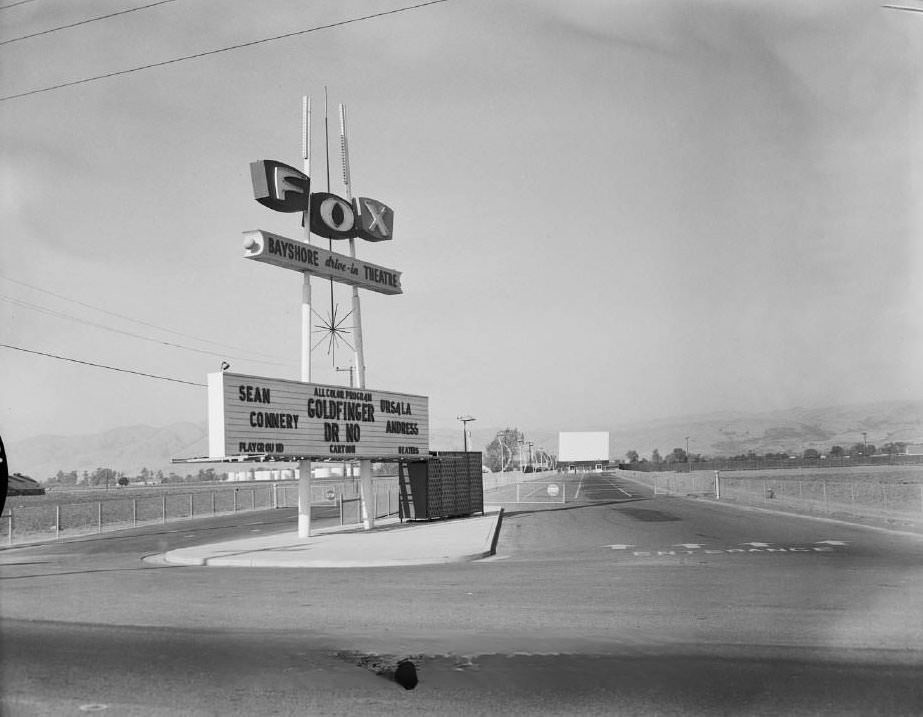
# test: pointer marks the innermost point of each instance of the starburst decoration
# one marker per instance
(332, 331)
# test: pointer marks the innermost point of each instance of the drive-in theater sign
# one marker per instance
(256, 418)
(261, 415)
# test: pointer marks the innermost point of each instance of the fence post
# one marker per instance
(375, 503)
(134, 512)
(191, 505)
(341, 507)
(163, 508)
(517, 492)
(57, 521)
(99, 517)
(235, 499)
(10, 527)
(253, 499)
(213, 502)
(826, 505)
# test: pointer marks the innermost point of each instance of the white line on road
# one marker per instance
(579, 486)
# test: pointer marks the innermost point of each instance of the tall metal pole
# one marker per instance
(306, 223)
(304, 467)
(357, 310)
(365, 467)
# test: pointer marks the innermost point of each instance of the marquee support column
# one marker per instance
(304, 499)
(368, 500)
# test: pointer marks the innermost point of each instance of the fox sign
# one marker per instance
(285, 189)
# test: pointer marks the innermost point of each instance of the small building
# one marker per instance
(23, 485)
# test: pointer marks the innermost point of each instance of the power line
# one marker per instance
(14, 4)
(902, 7)
(84, 22)
(99, 365)
(51, 312)
(223, 49)
(127, 318)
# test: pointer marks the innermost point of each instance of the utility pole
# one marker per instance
(466, 419)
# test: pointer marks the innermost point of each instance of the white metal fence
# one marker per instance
(867, 497)
(32, 520)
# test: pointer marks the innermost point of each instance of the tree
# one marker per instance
(632, 456)
(123, 481)
(502, 452)
(677, 456)
(837, 452)
(811, 453)
(862, 449)
(894, 449)
(655, 456)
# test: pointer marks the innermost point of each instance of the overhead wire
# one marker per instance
(59, 314)
(14, 4)
(228, 48)
(129, 318)
(100, 365)
(85, 22)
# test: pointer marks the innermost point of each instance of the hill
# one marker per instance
(131, 448)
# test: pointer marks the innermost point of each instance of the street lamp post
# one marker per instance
(465, 421)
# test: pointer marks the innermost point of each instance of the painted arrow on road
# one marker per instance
(689, 546)
(758, 545)
(619, 547)
(831, 542)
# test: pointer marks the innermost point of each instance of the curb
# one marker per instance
(180, 557)
(496, 536)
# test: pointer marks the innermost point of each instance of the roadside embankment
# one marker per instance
(888, 496)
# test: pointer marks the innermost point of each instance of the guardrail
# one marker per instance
(46, 520)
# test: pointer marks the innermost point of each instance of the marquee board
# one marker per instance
(252, 415)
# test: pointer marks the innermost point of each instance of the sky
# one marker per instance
(605, 212)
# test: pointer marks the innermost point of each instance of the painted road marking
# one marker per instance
(823, 546)
(579, 486)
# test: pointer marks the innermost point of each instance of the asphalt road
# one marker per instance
(617, 603)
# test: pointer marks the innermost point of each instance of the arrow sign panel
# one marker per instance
(300, 256)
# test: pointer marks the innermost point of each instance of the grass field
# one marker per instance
(877, 474)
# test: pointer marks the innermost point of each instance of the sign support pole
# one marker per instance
(357, 312)
(304, 467)
(365, 467)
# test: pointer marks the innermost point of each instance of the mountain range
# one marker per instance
(131, 448)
